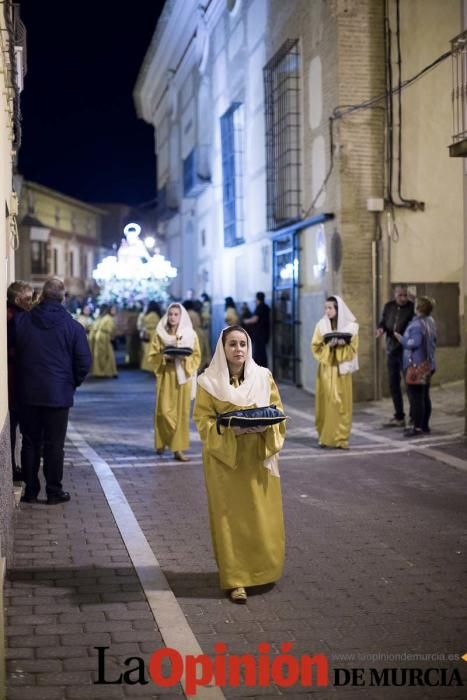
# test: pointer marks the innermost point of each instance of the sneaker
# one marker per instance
(56, 498)
(395, 423)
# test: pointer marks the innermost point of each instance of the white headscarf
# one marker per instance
(346, 323)
(255, 390)
(184, 337)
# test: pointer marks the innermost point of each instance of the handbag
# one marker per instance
(418, 374)
(250, 418)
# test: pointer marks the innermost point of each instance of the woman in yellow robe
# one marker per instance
(337, 361)
(100, 339)
(241, 468)
(147, 324)
(176, 381)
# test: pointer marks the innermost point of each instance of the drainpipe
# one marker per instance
(376, 206)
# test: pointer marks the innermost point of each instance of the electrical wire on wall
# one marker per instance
(342, 111)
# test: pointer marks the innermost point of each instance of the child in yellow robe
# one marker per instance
(175, 381)
(337, 361)
(241, 468)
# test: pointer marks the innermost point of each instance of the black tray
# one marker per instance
(250, 418)
(173, 351)
(339, 336)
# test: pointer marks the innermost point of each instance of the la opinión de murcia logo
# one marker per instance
(222, 669)
(284, 670)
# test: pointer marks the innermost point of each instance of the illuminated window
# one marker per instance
(232, 140)
(282, 111)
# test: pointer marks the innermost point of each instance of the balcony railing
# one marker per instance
(459, 95)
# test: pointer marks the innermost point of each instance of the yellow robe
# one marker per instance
(147, 324)
(244, 498)
(172, 414)
(103, 356)
(333, 400)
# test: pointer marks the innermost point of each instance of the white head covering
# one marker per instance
(346, 323)
(184, 337)
(255, 390)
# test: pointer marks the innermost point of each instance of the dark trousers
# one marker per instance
(395, 372)
(14, 422)
(420, 405)
(260, 355)
(44, 430)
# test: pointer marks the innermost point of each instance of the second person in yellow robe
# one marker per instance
(100, 339)
(241, 468)
(175, 380)
(147, 324)
(337, 361)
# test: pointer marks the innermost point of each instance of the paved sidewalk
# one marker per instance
(376, 554)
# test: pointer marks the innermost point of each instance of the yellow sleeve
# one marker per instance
(319, 349)
(108, 325)
(274, 436)
(156, 359)
(345, 353)
(192, 363)
(221, 447)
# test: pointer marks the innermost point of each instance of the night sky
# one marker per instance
(80, 132)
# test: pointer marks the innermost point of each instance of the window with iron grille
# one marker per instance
(232, 138)
(282, 112)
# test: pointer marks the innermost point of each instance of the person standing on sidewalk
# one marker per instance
(395, 318)
(419, 346)
(241, 467)
(334, 346)
(19, 300)
(52, 359)
(259, 325)
(175, 379)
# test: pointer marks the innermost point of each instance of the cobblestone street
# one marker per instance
(375, 558)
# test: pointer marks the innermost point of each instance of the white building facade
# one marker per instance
(264, 177)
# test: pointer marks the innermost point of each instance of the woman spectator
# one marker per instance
(231, 317)
(147, 324)
(419, 343)
(176, 378)
(334, 346)
(241, 468)
(101, 336)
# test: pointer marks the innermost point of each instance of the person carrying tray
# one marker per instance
(334, 346)
(241, 467)
(174, 357)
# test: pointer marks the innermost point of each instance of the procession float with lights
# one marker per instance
(134, 275)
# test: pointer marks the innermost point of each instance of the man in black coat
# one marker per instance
(259, 327)
(19, 301)
(52, 359)
(396, 316)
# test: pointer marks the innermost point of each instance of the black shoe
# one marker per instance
(29, 499)
(56, 498)
(413, 433)
(426, 430)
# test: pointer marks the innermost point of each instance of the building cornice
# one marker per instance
(42, 189)
(170, 52)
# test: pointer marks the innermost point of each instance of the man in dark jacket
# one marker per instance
(52, 359)
(396, 316)
(259, 327)
(19, 301)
